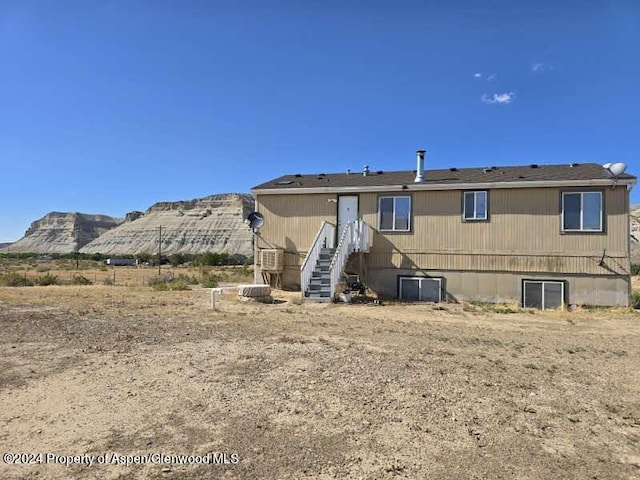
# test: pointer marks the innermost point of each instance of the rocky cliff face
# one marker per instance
(59, 232)
(214, 223)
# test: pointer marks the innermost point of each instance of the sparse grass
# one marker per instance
(488, 307)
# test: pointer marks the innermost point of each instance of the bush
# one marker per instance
(166, 281)
(46, 280)
(80, 280)
(635, 299)
(209, 279)
(635, 269)
(14, 279)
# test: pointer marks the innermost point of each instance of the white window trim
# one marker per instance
(394, 197)
(420, 280)
(524, 292)
(582, 229)
(475, 203)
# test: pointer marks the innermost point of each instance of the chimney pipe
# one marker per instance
(365, 172)
(419, 166)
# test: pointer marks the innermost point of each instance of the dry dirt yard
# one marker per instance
(313, 391)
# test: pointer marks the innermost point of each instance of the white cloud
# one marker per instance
(502, 98)
(487, 76)
(540, 67)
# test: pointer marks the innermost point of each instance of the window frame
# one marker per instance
(420, 279)
(464, 206)
(543, 282)
(409, 219)
(581, 230)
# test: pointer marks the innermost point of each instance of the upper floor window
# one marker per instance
(582, 211)
(394, 214)
(475, 205)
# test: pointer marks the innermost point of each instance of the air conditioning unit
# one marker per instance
(272, 260)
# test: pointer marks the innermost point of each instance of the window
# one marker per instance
(582, 211)
(420, 289)
(394, 214)
(475, 206)
(542, 294)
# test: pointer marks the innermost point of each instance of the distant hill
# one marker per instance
(214, 223)
(60, 232)
(5, 245)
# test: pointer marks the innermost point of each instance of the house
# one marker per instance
(543, 235)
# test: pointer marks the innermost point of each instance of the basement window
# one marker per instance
(542, 294)
(582, 211)
(420, 289)
(474, 206)
(394, 214)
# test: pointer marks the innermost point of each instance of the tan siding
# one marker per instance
(523, 233)
(522, 221)
(520, 263)
(292, 221)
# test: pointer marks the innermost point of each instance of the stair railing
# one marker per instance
(356, 237)
(324, 239)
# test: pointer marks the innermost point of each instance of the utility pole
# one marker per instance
(159, 249)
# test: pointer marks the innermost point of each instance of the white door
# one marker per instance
(347, 212)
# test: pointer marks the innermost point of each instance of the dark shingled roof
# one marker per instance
(532, 173)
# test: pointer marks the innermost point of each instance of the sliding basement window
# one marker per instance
(420, 289)
(543, 295)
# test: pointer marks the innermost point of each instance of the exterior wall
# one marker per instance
(523, 235)
(506, 287)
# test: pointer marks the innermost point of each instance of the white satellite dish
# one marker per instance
(254, 220)
(615, 169)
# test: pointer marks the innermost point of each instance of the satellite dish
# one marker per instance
(254, 220)
(615, 169)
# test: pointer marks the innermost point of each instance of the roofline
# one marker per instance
(412, 187)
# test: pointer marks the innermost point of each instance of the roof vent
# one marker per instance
(534, 165)
(365, 171)
(284, 182)
(348, 171)
(453, 169)
(419, 166)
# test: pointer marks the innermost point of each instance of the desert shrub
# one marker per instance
(14, 279)
(167, 281)
(80, 280)
(108, 281)
(635, 299)
(187, 279)
(46, 280)
(210, 279)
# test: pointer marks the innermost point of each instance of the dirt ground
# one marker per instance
(312, 391)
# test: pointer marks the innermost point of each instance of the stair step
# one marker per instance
(320, 281)
(319, 289)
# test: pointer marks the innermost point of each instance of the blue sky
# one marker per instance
(111, 106)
